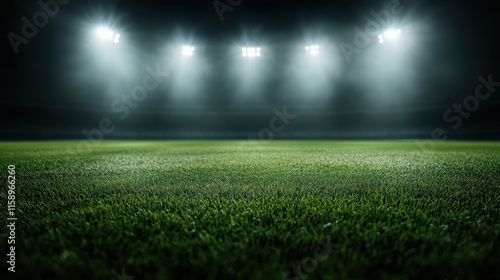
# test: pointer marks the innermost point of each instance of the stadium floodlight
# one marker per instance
(389, 35)
(107, 34)
(187, 50)
(313, 49)
(251, 52)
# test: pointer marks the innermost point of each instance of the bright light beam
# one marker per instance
(313, 49)
(251, 52)
(389, 35)
(107, 34)
(187, 50)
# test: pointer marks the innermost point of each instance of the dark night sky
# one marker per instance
(60, 84)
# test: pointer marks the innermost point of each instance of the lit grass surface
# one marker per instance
(230, 210)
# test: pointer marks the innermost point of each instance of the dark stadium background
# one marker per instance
(51, 89)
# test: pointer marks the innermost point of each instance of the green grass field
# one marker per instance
(230, 210)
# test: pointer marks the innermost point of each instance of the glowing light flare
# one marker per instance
(313, 49)
(251, 52)
(187, 50)
(389, 35)
(107, 34)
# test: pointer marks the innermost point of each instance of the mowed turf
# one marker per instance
(259, 210)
